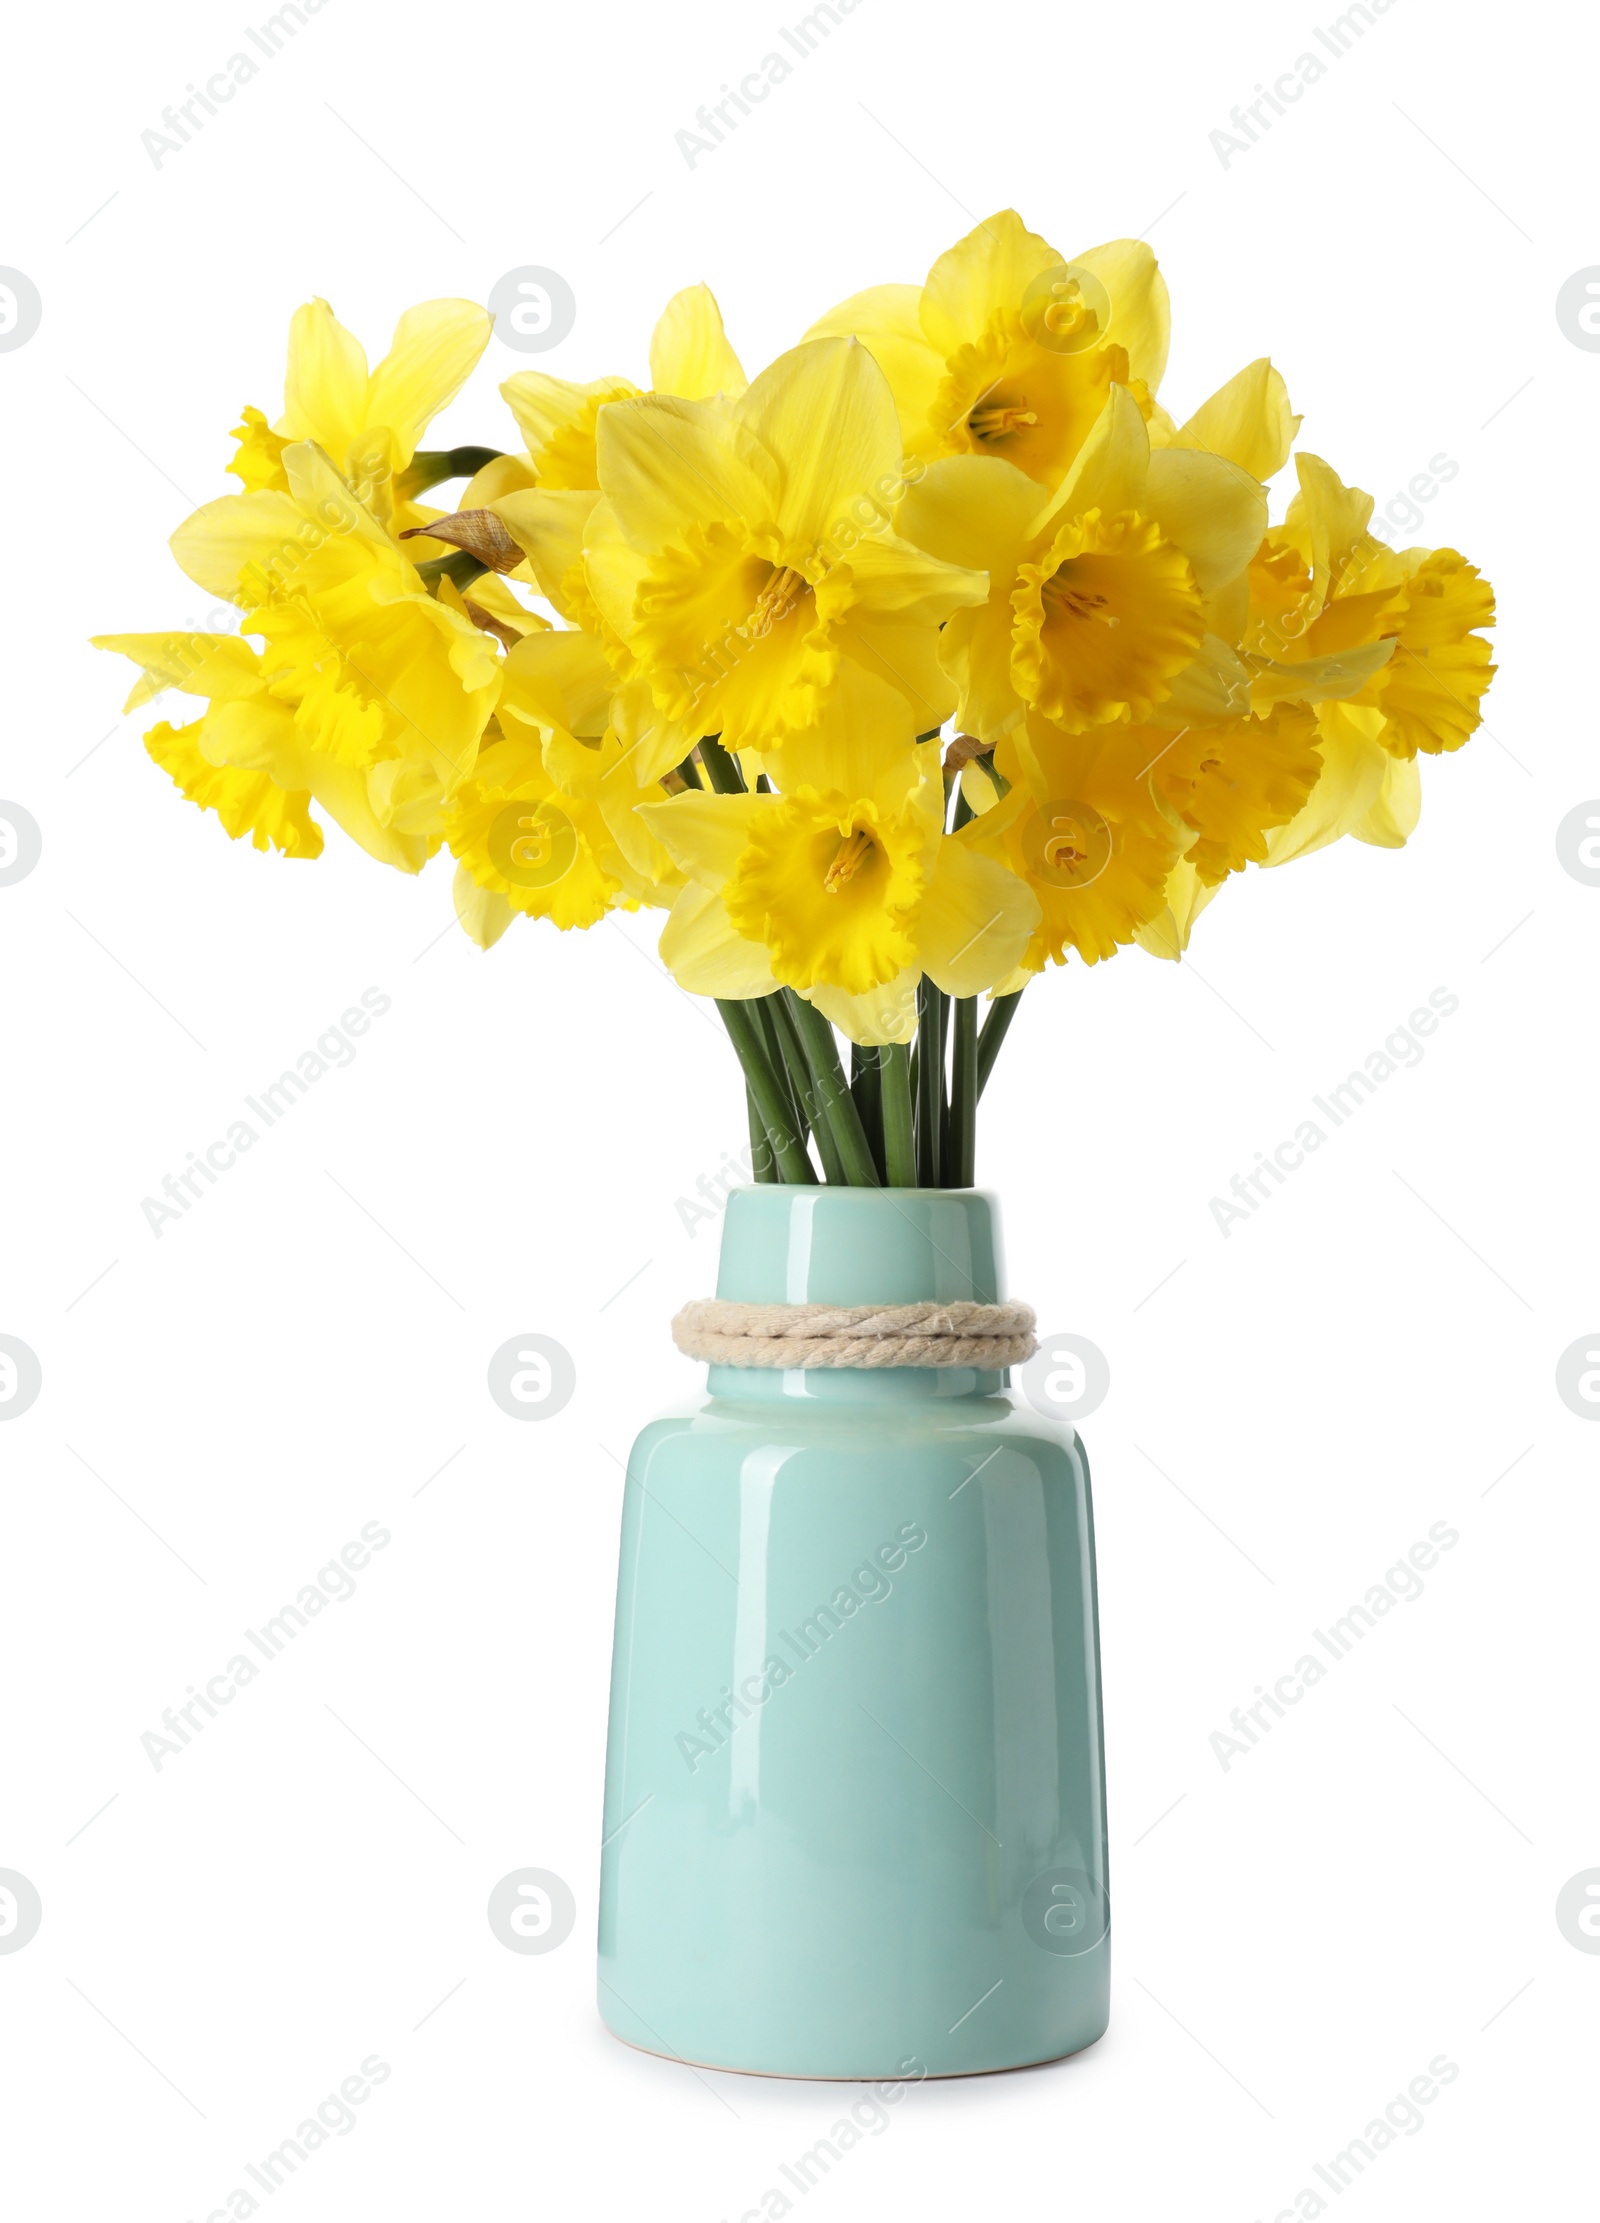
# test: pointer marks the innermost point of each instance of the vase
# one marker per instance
(855, 1796)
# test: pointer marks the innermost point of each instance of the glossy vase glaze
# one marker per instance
(855, 1796)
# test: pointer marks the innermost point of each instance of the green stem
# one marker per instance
(793, 1161)
(689, 773)
(899, 1140)
(1001, 1013)
(786, 1064)
(930, 1085)
(834, 1100)
(721, 769)
(460, 568)
(806, 1091)
(866, 1086)
(432, 466)
(964, 1095)
(804, 1088)
(763, 1159)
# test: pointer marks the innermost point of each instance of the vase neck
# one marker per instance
(785, 1244)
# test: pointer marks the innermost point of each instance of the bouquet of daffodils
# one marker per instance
(933, 654)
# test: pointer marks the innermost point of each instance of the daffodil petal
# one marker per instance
(705, 834)
(1141, 314)
(1248, 420)
(886, 1014)
(1210, 508)
(975, 921)
(666, 464)
(704, 955)
(483, 912)
(219, 666)
(825, 413)
(689, 351)
(246, 802)
(325, 385)
(1396, 808)
(887, 322)
(435, 347)
(982, 278)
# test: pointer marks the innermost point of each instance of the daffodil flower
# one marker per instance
(745, 552)
(368, 423)
(689, 357)
(1009, 350)
(369, 694)
(847, 893)
(1385, 644)
(528, 845)
(1098, 608)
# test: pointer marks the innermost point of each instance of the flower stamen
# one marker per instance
(851, 855)
(993, 424)
(776, 599)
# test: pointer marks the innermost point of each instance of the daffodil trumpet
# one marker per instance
(939, 651)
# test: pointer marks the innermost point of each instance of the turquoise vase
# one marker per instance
(855, 1794)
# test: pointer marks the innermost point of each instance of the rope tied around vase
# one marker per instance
(726, 1333)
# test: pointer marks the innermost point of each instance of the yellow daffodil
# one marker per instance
(246, 802)
(1231, 783)
(559, 685)
(1083, 828)
(369, 694)
(368, 423)
(689, 357)
(846, 893)
(1385, 644)
(524, 840)
(744, 553)
(1098, 608)
(759, 604)
(1008, 349)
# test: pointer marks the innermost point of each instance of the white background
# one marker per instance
(224, 1407)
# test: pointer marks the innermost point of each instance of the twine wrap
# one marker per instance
(725, 1333)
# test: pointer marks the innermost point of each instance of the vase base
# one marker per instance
(818, 2076)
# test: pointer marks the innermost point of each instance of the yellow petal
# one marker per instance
(706, 834)
(1392, 820)
(1319, 678)
(435, 347)
(667, 464)
(981, 278)
(888, 323)
(549, 523)
(484, 913)
(1141, 319)
(1326, 519)
(689, 351)
(864, 744)
(1248, 420)
(975, 921)
(973, 510)
(215, 545)
(1167, 934)
(704, 955)
(559, 422)
(886, 1014)
(1111, 467)
(217, 665)
(325, 385)
(557, 679)
(1210, 508)
(825, 414)
(246, 802)
(1355, 765)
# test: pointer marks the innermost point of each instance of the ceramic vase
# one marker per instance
(855, 1801)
